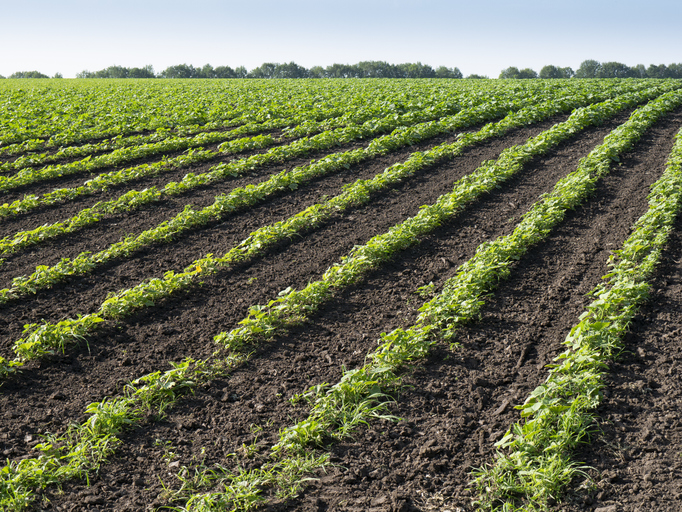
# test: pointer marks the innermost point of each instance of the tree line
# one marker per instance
(596, 69)
(374, 69)
(366, 69)
(31, 74)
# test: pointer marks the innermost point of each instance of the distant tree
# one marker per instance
(206, 71)
(639, 71)
(290, 70)
(657, 71)
(414, 70)
(375, 69)
(477, 77)
(224, 72)
(241, 72)
(567, 72)
(550, 71)
(117, 72)
(316, 72)
(28, 74)
(511, 72)
(341, 71)
(145, 72)
(615, 70)
(588, 69)
(2, 77)
(58, 75)
(180, 71)
(527, 73)
(445, 72)
(675, 70)
(265, 70)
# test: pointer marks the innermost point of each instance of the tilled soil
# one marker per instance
(456, 403)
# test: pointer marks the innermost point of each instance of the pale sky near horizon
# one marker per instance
(481, 37)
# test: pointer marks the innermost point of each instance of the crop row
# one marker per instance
(44, 115)
(362, 393)
(134, 199)
(124, 155)
(57, 114)
(41, 338)
(227, 107)
(258, 241)
(124, 149)
(296, 125)
(535, 462)
(353, 126)
(20, 478)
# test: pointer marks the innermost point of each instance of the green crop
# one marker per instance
(534, 460)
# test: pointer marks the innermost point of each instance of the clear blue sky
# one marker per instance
(480, 37)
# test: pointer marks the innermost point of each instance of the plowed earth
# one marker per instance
(457, 402)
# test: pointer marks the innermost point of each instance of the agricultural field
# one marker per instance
(362, 295)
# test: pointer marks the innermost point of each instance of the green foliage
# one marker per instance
(534, 463)
(556, 72)
(615, 70)
(364, 394)
(28, 74)
(588, 69)
(445, 72)
(515, 73)
(510, 72)
(292, 306)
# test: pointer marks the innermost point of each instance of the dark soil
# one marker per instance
(457, 402)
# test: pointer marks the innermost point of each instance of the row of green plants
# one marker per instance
(354, 101)
(238, 198)
(304, 128)
(241, 196)
(50, 115)
(302, 122)
(46, 338)
(122, 143)
(535, 458)
(264, 320)
(127, 154)
(365, 393)
(84, 447)
(11, 474)
(113, 178)
(292, 306)
(396, 346)
(52, 119)
(116, 178)
(29, 175)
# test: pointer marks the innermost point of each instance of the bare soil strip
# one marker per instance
(342, 334)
